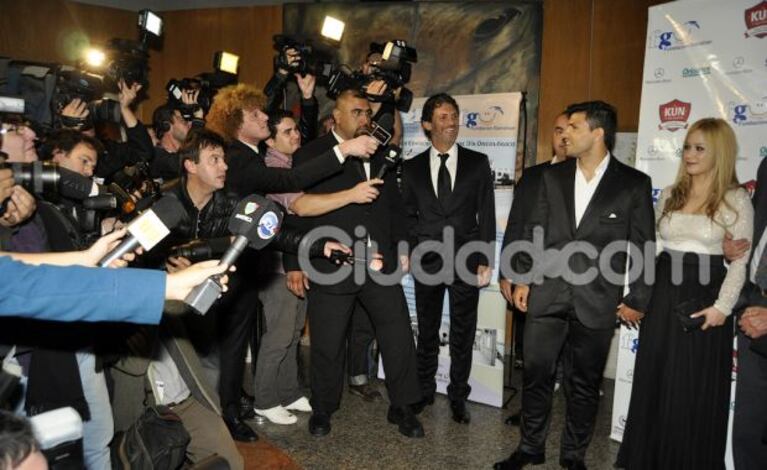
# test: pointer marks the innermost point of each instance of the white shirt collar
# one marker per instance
(599, 169)
(452, 152)
(252, 147)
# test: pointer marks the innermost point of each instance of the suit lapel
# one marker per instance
(607, 189)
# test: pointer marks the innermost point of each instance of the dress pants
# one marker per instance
(276, 379)
(749, 432)
(329, 316)
(208, 434)
(584, 354)
(236, 312)
(360, 343)
(463, 326)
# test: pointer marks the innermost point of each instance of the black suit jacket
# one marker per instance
(248, 174)
(620, 209)
(751, 295)
(470, 210)
(383, 219)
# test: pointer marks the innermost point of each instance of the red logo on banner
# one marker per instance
(674, 115)
(756, 20)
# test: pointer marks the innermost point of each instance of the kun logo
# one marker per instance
(674, 115)
(756, 20)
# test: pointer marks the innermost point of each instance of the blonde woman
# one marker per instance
(680, 398)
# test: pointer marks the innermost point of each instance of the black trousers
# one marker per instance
(236, 314)
(329, 316)
(361, 336)
(584, 354)
(749, 432)
(463, 326)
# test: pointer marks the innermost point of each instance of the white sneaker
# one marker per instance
(277, 415)
(302, 404)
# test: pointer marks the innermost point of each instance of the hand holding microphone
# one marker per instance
(255, 222)
(148, 229)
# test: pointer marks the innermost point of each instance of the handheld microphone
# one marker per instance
(381, 130)
(392, 156)
(255, 222)
(149, 228)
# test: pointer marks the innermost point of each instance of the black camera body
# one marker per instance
(129, 62)
(312, 60)
(89, 88)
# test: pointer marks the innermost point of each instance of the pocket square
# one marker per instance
(612, 216)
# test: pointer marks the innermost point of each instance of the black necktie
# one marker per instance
(443, 180)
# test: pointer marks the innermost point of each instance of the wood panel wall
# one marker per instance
(592, 50)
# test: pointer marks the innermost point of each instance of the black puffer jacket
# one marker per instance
(213, 220)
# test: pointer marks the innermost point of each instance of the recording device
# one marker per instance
(46, 178)
(255, 222)
(312, 59)
(87, 87)
(202, 249)
(381, 132)
(60, 434)
(149, 228)
(115, 199)
(394, 69)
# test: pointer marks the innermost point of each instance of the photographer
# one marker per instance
(171, 128)
(377, 88)
(275, 92)
(115, 155)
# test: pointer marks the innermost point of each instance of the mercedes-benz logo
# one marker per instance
(738, 62)
(659, 72)
(652, 150)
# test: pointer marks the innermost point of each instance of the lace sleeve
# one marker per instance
(742, 228)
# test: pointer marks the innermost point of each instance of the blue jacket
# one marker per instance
(77, 293)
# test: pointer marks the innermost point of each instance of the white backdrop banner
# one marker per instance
(703, 59)
(489, 124)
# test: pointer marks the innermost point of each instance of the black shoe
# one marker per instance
(460, 413)
(403, 416)
(518, 460)
(365, 391)
(239, 430)
(572, 464)
(514, 419)
(319, 424)
(418, 406)
(246, 406)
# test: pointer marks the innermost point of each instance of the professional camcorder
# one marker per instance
(78, 84)
(312, 59)
(394, 69)
(225, 73)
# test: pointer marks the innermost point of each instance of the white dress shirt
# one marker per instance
(584, 190)
(365, 162)
(451, 163)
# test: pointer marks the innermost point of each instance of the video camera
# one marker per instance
(225, 73)
(78, 84)
(312, 60)
(394, 68)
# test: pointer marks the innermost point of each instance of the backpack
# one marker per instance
(156, 441)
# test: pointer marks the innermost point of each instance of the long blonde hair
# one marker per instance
(722, 145)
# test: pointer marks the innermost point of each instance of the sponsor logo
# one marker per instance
(688, 72)
(250, 208)
(622, 421)
(244, 218)
(756, 20)
(739, 66)
(749, 114)
(656, 195)
(687, 34)
(659, 75)
(484, 119)
(634, 345)
(674, 115)
(763, 151)
(630, 374)
(268, 225)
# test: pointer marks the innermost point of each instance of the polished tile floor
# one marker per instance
(362, 438)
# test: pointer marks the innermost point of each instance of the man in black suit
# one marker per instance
(749, 433)
(448, 187)
(378, 225)
(583, 205)
(524, 201)
(237, 114)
